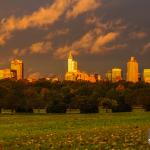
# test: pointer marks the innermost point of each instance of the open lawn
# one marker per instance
(75, 131)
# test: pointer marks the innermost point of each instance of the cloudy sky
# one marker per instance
(101, 34)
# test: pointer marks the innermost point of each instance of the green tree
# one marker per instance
(108, 103)
(56, 103)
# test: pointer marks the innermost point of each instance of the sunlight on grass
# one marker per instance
(71, 131)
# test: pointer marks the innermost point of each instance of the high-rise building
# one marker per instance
(72, 64)
(73, 74)
(108, 76)
(132, 70)
(17, 66)
(146, 75)
(116, 74)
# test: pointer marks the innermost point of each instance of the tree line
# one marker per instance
(57, 97)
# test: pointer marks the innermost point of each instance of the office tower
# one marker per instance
(132, 70)
(146, 75)
(17, 66)
(116, 74)
(73, 74)
(108, 76)
(72, 64)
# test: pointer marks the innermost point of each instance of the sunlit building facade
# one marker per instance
(146, 75)
(32, 79)
(116, 74)
(73, 74)
(17, 65)
(108, 76)
(82, 76)
(72, 64)
(52, 78)
(132, 70)
(6, 74)
(98, 77)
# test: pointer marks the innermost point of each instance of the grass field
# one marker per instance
(75, 131)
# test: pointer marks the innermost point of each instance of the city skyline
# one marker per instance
(132, 74)
(115, 74)
(102, 34)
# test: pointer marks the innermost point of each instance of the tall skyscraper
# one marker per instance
(132, 70)
(17, 66)
(108, 75)
(72, 64)
(116, 74)
(73, 74)
(146, 75)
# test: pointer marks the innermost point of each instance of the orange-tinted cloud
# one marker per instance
(103, 40)
(138, 35)
(45, 16)
(146, 47)
(82, 6)
(58, 32)
(40, 47)
(42, 17)
(91, 42)
(92, 20)
(19, 52)
(83, 43)
(62, 52)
